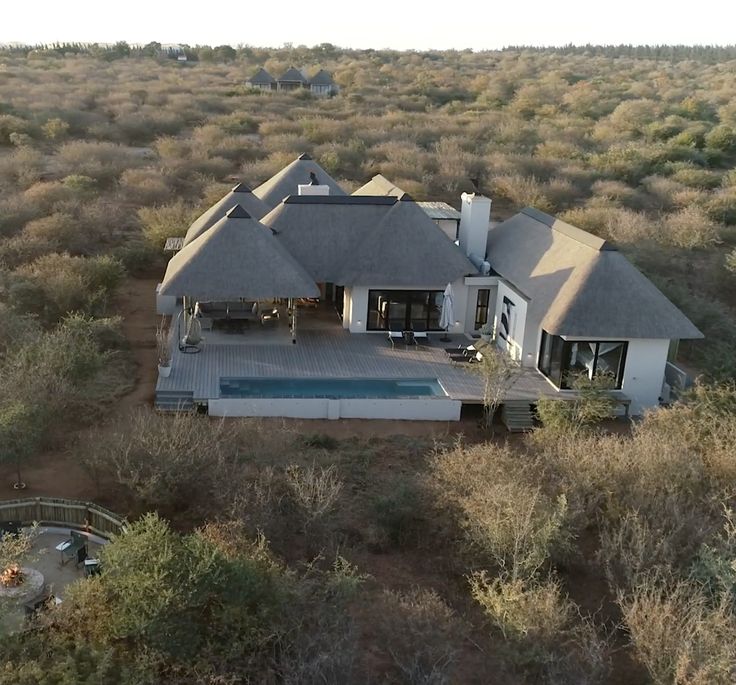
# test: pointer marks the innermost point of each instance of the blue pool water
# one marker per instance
(331, 388)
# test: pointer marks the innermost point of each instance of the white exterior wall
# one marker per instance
(318, 408)
(356, 314)
(474, 284)
(165, 304)
(644, 372)
(475, 212)
(517, 325)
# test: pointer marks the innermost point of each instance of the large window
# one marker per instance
(481, 308)
(401, 310)
(559, 359)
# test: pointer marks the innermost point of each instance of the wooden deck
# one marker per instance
(334, 353)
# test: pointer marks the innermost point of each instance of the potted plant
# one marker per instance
(486, 331)
(163, 347)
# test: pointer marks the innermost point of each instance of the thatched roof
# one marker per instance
(364, 240)
(286, 181)
(237, 258)
(406, 249)
(262, 78)
(321, 78)
(379, 185)
(580, 285)
(292, 74)
(241, 195)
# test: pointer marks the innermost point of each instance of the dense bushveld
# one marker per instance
(98, 149)
(569, 556)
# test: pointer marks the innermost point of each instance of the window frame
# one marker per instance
(563, 358)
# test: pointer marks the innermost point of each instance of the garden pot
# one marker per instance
(164, 371)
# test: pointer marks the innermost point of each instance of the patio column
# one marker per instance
(293, 308)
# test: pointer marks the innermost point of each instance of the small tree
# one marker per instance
(315, 490)
(499, 371)
(592, 404)
(18, 435)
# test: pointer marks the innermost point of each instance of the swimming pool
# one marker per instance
(331, 388)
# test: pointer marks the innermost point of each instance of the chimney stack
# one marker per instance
(475, 217)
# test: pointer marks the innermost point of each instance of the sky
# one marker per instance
(397, 24)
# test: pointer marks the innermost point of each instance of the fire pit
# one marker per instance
(20, 583)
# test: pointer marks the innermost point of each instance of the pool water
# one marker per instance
(331, 388)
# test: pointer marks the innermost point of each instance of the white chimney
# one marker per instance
(475, 216)
(309, 189)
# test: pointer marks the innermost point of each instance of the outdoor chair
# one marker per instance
(466, 359)
(461, 350)
(191, 343)
(269, 316)
(72, 548)
(393, 336)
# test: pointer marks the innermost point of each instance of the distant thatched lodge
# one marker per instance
(293, 79)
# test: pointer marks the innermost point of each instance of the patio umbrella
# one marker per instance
(447, 315)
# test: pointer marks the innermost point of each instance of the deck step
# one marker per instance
(518, 416)
(174, 400)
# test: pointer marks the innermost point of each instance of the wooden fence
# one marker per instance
(62, 512)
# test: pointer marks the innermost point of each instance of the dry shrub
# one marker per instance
(547, 633)
(523, 609)
(690, 228)
(679, 635)
(100, 161)
(523, 191)
(167, 463)
(166, 221)
(144, 186)
(612, 222)
(61, 231)
(315, 491)
(639, 543)
(618, 193)
(504, 515)
(421, 633)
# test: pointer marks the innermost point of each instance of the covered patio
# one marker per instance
(232, 277)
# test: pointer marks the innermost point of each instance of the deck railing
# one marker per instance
(69, 513)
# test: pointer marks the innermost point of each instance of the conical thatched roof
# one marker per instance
(379, 185)
(286, 181)
(241, 195)
(237, 258)
(262, 78)
(293, 74)
(580, 285)
(321, 78)
(406, 249)
(354, 240)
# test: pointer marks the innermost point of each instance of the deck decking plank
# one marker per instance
(335, 353)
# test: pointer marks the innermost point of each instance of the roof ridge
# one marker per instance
(577, 234)
(340, 200)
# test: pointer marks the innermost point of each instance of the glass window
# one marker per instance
(559, 358)
(400, 310)
(481, 308)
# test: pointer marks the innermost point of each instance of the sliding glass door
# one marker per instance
(401, 310)
(559, 359)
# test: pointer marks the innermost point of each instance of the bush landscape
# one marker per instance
(262, 552)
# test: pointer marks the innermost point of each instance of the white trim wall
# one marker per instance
(514, 345)
(355, 309)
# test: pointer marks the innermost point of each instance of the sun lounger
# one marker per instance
(465, 359)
